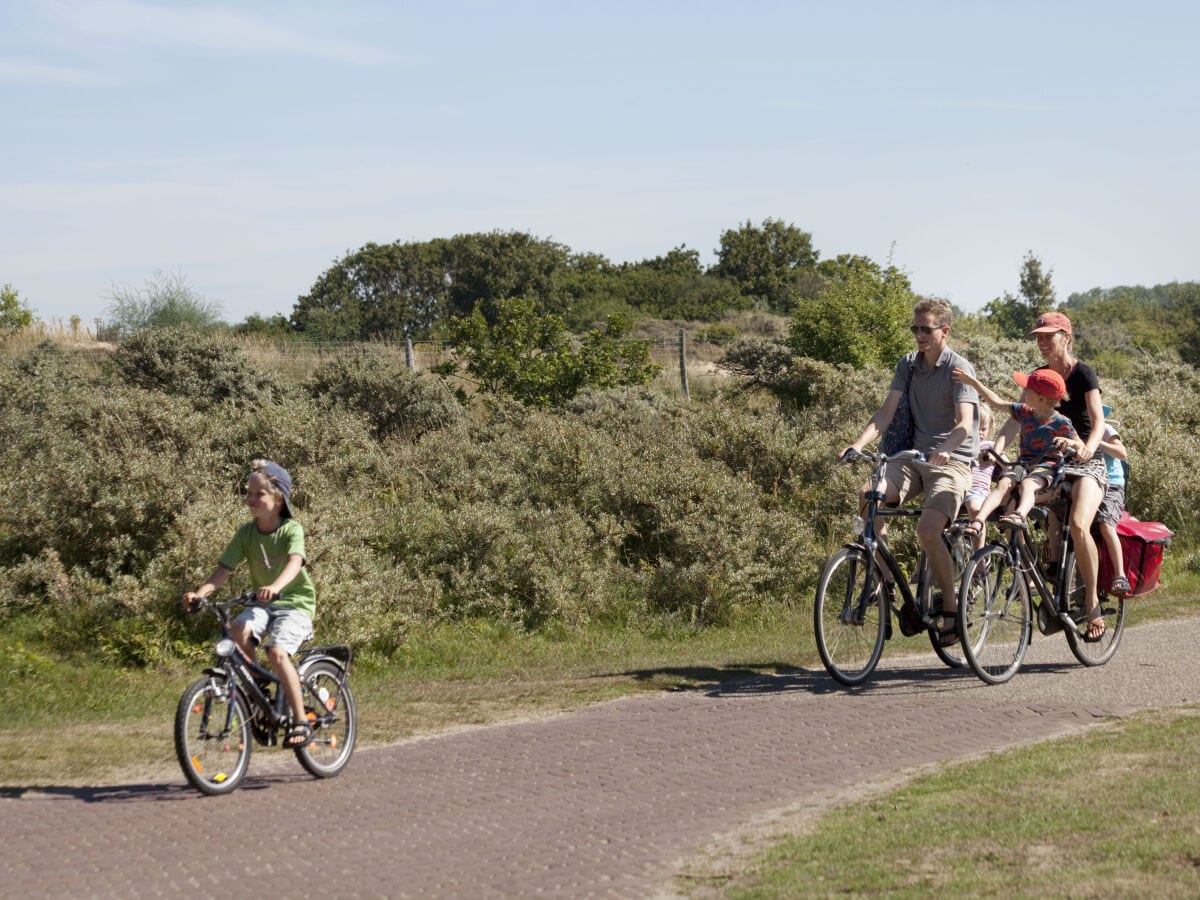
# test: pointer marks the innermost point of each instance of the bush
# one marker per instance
(203, 367)
(393, 399)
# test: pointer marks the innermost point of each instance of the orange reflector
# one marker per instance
(331, 704)
(197, 765)
(198, 708)
(333, 742)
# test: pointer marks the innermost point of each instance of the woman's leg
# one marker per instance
(1086, 496)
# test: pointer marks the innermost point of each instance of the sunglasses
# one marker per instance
(924, 329)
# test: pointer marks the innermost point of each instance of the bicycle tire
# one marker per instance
(1099, 652)
(849, 627)
(213, 763)
(333, 718)
(961, 550)
(995, 616)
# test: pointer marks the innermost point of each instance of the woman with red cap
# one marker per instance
(1089, 477)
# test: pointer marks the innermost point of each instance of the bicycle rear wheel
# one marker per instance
(333, 717)
(1099, 652)
(212, 736)
(849, 624)
(995, 618)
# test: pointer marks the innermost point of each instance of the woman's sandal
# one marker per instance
(1095, 621)
(299, 735)
(948, 632)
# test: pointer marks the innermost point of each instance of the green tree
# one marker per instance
(410, 289)
(860, 317)
(765, 261)
(14, 313)
(530, 356)
(166, 300)
(275, 326)
(1014, 316)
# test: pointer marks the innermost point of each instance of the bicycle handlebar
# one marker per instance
(240, 600)
(851, 454)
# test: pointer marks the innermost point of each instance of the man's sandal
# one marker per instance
(1012, 520)
(299, 735)
(947, 635)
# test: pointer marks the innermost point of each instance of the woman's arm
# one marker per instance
(1095, 411)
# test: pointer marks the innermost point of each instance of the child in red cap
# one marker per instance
(1045, 433)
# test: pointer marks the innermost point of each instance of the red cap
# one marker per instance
(1046, 382)
(1050, 322)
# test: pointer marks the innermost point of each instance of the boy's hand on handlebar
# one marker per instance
(191, 601)
(265, 595)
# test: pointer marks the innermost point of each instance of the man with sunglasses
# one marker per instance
(945, 428)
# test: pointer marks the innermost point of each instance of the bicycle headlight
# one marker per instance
(858, 525)
(226, 647)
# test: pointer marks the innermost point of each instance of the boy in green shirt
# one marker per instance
(273, 548)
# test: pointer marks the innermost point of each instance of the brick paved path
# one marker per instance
(602, 802)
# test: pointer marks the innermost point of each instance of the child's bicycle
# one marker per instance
(1005, 587)
(849, 621)
(238, 701)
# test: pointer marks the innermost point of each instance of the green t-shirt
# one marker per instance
(266, 555)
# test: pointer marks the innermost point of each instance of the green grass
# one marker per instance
(1114, 812)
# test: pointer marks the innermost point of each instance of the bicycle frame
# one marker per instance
(1021, 549)
(241, 674)
(876, 546)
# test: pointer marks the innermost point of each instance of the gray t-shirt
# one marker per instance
(933, 397)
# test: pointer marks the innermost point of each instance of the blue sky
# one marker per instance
(247, 146)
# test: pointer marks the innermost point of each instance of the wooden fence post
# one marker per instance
(687, 394)
(408, 354)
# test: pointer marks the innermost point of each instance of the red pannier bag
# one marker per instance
(1142, 545)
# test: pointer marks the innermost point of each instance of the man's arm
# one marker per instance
(878, 423)
(962, 430)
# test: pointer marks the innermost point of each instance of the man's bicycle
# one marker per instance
(1005, 587)
(857, 591)
(239, 702)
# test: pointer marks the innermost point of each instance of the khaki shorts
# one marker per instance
(284, 627)
(943, 486)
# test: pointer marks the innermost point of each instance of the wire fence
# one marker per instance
(685, 360)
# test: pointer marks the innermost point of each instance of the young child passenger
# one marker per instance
(272, 546)
(1115, 457)
(1044, 434)
(981, 474)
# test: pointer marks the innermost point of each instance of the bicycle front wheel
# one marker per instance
(1094, 653)
(848, 622)
(212, 736)
(995, 620)
(961, 548)
(329, 705)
